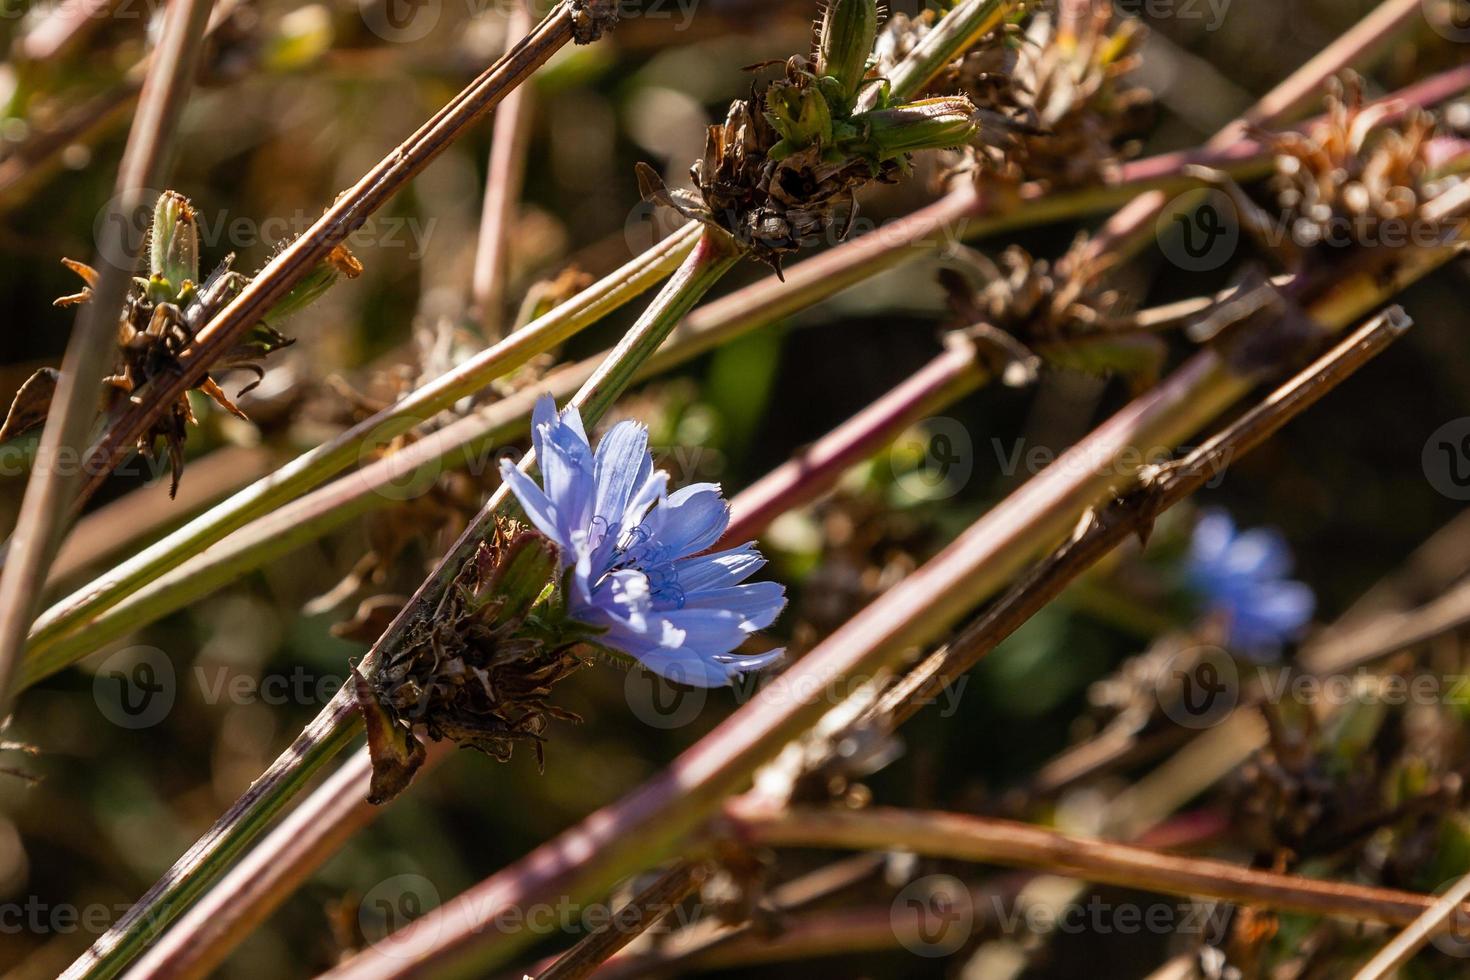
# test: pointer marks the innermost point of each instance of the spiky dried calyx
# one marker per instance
(1055, 103)
(777, 172)
(1059, 313)
(480, 670)
(1354, 172)
(158, 321)
(593, 18)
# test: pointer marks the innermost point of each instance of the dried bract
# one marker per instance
(480, 670)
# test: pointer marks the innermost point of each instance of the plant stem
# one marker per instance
(53, 483)
(331, 732)
(284, 860)
(339, 722)
(1010, 844)
(631, 921)
(947, 378)
(1435, 919)
(646, 824)
(1133, 514)
(954, 34)
(58, 637)
(313, 468)
(504, 176)
(346, 214)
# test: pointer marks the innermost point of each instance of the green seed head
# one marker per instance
(929, 124)
(341, 262)
(844, 41)
(173, 253)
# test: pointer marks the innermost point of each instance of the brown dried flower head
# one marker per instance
(1054, 101)
(158, 321)
(1354, 170)
(1033, 311)
(776, 174)
(480, 670)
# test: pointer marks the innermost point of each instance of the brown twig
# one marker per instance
(1005, 842)
(629, 922)
(53, 483)
(504, 176)
(346, 215)
(1106, 529)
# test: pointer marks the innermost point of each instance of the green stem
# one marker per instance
(338, 724)
(313, 468)
(956, 32)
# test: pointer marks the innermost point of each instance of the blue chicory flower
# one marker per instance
(1242, 577)
(634, 551)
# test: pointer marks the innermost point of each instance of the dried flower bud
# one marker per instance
(340, 263)
(511, 581)
(802, 118)
(929, 124)
(844, 40)
(173, 253)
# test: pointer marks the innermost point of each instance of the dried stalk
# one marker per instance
(504, 177)
(346, 215)
(53, 483)
(1011, 844)
(629, 922)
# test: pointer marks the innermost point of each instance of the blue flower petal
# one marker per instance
(621, 467)
(689, 520)
(721, 569)
(538, 507)
(757, 603)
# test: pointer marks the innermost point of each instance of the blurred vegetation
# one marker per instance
(299, 102)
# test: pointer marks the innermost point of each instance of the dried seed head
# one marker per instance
(777, 172)
(173, 251)
(1060, 313)
(845, 39)
(159, 319)
(1053, 104)
(1354, 171)
(480, 670)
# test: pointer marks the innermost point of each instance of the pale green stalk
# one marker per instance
(315, 467)
(714, 254)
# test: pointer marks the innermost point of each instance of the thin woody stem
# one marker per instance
(53, 486)
(982, 560)
(628, 923)
(339, 723)
(1004, 842)
(1133, 514)
(504, 177)
(346, 214)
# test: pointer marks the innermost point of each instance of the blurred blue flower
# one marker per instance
(634, 552)
(1241, 577)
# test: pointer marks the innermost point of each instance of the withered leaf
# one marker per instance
(31, 404)
(395, 753)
